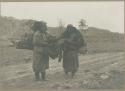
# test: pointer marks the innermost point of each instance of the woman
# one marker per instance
(73, 40)
(40, 50)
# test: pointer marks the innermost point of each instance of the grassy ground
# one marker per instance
(96, 71)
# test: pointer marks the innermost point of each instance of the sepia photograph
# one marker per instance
(73, 46)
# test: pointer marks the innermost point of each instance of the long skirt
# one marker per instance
(70, 61)
(40, 61)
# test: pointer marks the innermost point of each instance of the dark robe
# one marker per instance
(73, 40)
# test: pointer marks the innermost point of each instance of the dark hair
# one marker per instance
(39, 26)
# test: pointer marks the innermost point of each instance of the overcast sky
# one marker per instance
(107, 15)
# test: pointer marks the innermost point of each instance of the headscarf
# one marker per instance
(39, 26)
(68, 31)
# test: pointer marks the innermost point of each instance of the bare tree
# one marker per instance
(61, 26)
(82, 25)
(83, 29)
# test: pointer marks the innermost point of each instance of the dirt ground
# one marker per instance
(96, 71)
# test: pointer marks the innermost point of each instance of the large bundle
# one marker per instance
(24, 36)
(25, 42)
(53, 48)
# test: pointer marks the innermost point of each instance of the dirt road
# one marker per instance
(101, 70)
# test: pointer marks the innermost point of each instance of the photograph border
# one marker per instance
(63, 1)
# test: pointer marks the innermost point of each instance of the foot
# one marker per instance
(37, 77)
(73, 73)
(43, 76)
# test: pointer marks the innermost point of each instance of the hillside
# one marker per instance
(101, 40)
(98, 40)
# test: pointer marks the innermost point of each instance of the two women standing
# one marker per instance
(73, 40)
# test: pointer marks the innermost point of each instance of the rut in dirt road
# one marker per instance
(103, 62)
(92, 62)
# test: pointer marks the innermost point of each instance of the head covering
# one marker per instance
(39, 26)
(69, 30)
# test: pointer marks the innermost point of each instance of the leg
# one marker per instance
(43, 76)
(66, 72)
(37, 78)
(73, 73)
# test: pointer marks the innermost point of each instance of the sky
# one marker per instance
(104, 14)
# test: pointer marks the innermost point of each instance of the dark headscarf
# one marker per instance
(68, 31)
(39, 26)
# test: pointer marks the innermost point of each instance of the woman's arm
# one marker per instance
(38, 41)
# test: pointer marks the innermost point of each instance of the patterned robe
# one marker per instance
(40, 51)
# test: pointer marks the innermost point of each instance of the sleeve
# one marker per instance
(81, 41)
(38, 41)
(50, 37)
